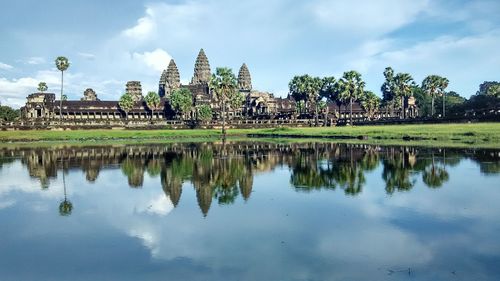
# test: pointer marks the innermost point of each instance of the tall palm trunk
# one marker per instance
(432, 105)
(403, 113)
(350, 113)
(444, 113)
(316, 114)
(60, 100)
(223, 120)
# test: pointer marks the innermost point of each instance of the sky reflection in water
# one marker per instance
(249, 211)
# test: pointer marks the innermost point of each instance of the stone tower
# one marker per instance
(201, 70)
(134, 88)
(89, 95)
(244, 79)
(170, 79)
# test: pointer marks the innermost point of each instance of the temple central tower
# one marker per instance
(201, 70)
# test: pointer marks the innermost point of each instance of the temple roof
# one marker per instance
(172, 77)
(244, 78)
(201, 69)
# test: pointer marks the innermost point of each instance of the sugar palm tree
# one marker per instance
(403, 83)
(432, 86)
(126, 103)
(62, 64)
(42, 87)
(306, 88)
(443, 84)
(370, 103)
(153, 101)
(224, 85)
(351, 88)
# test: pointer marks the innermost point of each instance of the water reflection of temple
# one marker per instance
(223, 172)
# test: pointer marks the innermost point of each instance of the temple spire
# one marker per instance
(244, 78)
(201, 69)
(170, 79)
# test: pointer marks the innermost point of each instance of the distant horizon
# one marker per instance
(114, 42)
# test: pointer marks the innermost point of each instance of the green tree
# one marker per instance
(453, 103)
(153, 101)
(433, 85)
(490, 88)
(404, 89)
(126, 103)
(389, 89)
(224, 85)
(204, 112)
(62, 65)
(370, 103)
(351, 88)
(181, 101)
(308, 89)
(9, 114)
(494, 90)
(42, 87)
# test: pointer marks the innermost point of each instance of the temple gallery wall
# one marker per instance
(258, 108)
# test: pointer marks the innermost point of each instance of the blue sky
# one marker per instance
(112, 42)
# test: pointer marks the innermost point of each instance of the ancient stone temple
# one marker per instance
(201, 70)
(170, 80)
(134, 88)
(244, 79)
(89, 95)
(256, 107)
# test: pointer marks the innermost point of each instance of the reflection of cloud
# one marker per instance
(161, 205)
(7, 203)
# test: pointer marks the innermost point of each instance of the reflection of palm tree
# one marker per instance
(65, 207)
(396, 173)
(435, 176)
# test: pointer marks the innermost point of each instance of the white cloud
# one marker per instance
(157, 60)
(5, 66)
(466, 61)
(35, 60)
(144, 27)
(367, 17)
(88, 56)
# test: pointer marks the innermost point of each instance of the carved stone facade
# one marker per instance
(256, 105)
(201, 70)
(170, 80)
(244, 79)
(134, 88)
(89, 95)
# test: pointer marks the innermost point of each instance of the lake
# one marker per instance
(248, 211)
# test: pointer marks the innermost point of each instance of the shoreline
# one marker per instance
(480, 135)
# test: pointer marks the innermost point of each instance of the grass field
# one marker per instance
(476, 134)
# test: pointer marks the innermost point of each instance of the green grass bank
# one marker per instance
(474, 134)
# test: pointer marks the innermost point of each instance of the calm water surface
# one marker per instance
(249, 211)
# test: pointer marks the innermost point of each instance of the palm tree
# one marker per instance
(225, 87)
(443, 84)
(181, 101)
(42, 87)
(432, 86)
(370, 103)
(126, 103)
(388, 89)
(153, 101)
(351, 88)
(403, 83)
(306, 88)
(62, 64)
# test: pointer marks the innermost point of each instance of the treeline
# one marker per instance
(431, 97)
(8, 114)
